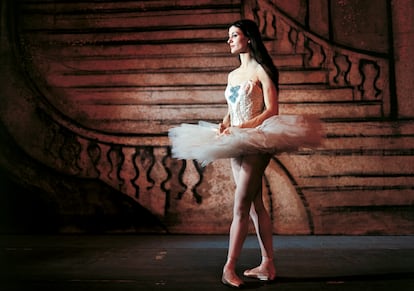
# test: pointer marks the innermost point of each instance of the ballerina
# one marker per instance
(249, 134)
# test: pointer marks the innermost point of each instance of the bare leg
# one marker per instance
(247, 171)
(263, 225)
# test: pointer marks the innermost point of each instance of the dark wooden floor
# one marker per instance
(165, 262)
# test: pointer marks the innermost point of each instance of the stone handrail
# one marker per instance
(367, 75)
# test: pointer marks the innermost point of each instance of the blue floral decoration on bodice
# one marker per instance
(234, 93)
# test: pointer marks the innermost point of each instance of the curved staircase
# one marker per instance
(111, 77)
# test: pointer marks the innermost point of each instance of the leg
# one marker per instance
(263, 225)
(229, 271)
(248, 171)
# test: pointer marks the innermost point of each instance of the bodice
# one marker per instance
(245, 101)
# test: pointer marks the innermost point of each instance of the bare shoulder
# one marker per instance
(234, 72)
(261, 71)
(232, 75)
(262, 74)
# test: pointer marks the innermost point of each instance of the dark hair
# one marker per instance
(257, 47)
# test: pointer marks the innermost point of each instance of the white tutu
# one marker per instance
(277, 134)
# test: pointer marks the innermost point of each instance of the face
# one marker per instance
(237, 40)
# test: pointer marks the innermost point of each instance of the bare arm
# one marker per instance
(226, 119)
(225, 123)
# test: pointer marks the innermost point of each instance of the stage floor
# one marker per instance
(194, 262)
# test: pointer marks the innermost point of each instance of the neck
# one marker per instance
(246, 59)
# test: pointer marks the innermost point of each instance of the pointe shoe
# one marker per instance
(234, 282)
(257, 273)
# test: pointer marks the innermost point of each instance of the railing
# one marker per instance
(367, 75)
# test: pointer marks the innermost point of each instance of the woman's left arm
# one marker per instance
(270, 95)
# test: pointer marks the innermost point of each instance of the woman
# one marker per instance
(249, 134)
(252, 97)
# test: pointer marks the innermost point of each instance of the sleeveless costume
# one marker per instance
(277, 134)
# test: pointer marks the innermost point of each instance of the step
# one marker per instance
(287, 61)
(119, 51)
(307, 93)
(138, 79)
(157, 64)
(153, 62)
(302, 76)
(316, 165)
(371, 136)
(131, 35)
(387, 145)
(172, 77)
(207, 94)
(126, 50)
(148, 112)
(153, 112)
(59, 7)
(148, 95)
(141, 119)
(384, 129)
(153, 119)
(335, 110)
(353, 186)
(352, 181)
(146, 20)
(138, 118)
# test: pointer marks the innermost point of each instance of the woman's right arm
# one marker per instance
(226, 119)
(225, 123)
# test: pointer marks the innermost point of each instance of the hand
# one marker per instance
(222, 128)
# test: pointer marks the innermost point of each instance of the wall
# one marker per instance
(354, 23)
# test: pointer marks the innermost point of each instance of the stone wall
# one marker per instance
(362, 25)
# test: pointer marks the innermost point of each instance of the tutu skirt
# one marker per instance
(277, 134)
